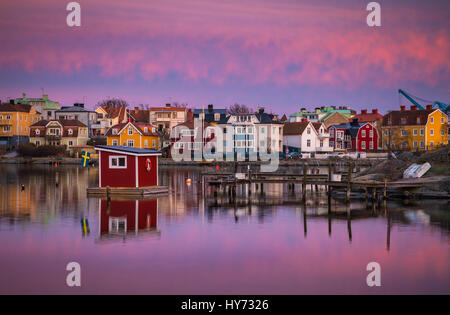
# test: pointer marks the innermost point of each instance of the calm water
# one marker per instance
(183, 244)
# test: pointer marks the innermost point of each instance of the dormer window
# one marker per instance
(403, 121)
(216, 117)
(145, 129)
(70, 131)
(418, 120)
(201, 116)
(38, 131)
(114, 131)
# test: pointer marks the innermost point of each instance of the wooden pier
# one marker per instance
(376, 190)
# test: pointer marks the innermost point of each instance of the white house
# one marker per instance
(306, 137)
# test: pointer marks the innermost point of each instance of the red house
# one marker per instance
(127, 167)
(354, 137)
(127, 217)
(192, 136)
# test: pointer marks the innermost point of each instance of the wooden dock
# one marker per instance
(128, 191)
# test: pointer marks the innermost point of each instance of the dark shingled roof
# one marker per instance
(294, 128)
(8, 107)
(410, 116)
(63, 122)
(127, 149)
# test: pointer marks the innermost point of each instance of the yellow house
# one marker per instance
(133, 134)
(15, 122)
(414, 129)
(59, 132)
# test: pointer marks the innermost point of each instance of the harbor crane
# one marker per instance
(436, 104)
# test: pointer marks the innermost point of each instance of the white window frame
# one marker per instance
(117, 157)
(132, 143)
(130, 129)
(115, 142)
(117, 221)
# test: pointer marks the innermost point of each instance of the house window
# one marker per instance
(431, 144)
(404, 145)
(38, 142)
(321, 143)
(130, 130)
(70, 131)
(422, 145)
(8, 117)
(418, 120)
(404, 132)
(432, 120)
(114, 131)
(217, 117)
(308, 130)
(117, 162)
(442, 120)
(1, 117)
(415, 144)
(115, 142)
(153, 143)
(308, 143)
(38, 132)
(145, 129)
(431, 132)
(332, 144)
(371, 145)
(130, 143)
(145, 143)
(403, 121)
(386, 132)
(442, 132)
(262, 129)
(415, 132)
(70, 143)
(363, 145)
(371, 133)
(249, 129)
(363, 133)
(421, 131)
(332, 132)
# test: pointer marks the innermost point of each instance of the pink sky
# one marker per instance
(281, 54)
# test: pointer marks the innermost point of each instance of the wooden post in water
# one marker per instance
(385, 189)
(349, 180)
(305, 171)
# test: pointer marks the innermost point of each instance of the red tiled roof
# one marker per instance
(170, 109)
(369, 117)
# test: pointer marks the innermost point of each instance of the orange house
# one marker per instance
(133, 134)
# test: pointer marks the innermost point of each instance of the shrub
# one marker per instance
(30, 150)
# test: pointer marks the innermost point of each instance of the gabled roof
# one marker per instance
(410, 116)
(367, 117)
(139, 126)
(295, 128)
(265, 118)
(62, 122)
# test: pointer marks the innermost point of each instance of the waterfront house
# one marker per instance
(79, 112)
(354, 137)
(167, 117)
(133, 134)
(59, 132)
(306, 137)
(127, 218)
(334, 118)
(251, 133)
(414, 129)
(108, 116)
(192, 135)
(15, 122)
(46, 107)
(127, 167)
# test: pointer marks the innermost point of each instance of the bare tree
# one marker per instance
(113, 102)
(239, 109)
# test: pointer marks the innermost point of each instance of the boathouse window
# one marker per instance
(118, 225)
(117, 162)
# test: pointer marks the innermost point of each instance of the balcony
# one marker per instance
(50, 137)
(5, 122)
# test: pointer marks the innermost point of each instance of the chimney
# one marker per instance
(24, 96)
(210, 108)
(136, 109)
(402, 108)
(303, 110)
(261, 110)
(190, 114)
(429, 107)
(11, 101)
(304, 120)
(374, 111)
(363, 111)
(167, 105)
(413, 107)
(354, 122)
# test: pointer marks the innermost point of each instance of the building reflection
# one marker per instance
(125, 218)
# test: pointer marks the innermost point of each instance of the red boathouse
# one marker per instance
(127, 171)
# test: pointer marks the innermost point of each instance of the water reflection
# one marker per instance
(266, 241)
(122, 219)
